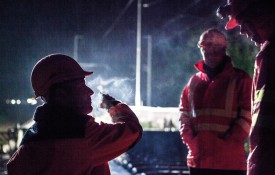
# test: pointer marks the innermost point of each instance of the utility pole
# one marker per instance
(149, 69)
(77, 38)
(138, 54)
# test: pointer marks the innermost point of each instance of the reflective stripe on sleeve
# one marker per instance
(269, 96)
(258, 95)
(226, 112)
(192, 86)
(244, 125)
(222, 113)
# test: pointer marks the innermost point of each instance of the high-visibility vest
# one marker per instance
(211, 108)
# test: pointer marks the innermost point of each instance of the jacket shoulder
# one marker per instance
(241, 73)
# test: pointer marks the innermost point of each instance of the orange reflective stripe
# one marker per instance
(230, 95)
(192, 86)
(211, 127)
(222, 113)
(227, 112)
(244, 125)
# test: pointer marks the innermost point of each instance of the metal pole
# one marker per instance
(76, 45)
(149, 69)
(138, 54)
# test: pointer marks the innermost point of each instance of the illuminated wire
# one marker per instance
(118, 18)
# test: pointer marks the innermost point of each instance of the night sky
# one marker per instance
(32, 29)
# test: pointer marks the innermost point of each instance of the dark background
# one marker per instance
(32, 29)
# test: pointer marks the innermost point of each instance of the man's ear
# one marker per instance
(58, 96)
(61, 95)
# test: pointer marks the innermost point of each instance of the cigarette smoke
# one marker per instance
(117, 87)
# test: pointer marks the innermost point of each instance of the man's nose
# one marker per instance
(90, 91)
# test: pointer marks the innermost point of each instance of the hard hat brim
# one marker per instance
(88, 73)
(231, 24)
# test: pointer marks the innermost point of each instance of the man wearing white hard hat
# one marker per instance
(215, 111)
(64, 139)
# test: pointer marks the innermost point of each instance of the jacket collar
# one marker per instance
(220, 70)
(52, 123)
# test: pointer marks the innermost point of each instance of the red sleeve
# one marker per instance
(108, 141)
(185, 118)
(242, 125)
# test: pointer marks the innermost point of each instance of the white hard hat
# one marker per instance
(213, 36)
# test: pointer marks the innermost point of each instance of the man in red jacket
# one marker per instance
(64, 138)
(215, 111)
(256, 19)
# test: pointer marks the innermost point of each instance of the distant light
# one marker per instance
(18, 101)
(29, 100)
(8, 101)
(13, 101)
(32, 101)
(146, 5)
(134, 170)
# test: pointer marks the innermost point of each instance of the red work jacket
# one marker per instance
(216, 118)
(82, 156)
(261, 160)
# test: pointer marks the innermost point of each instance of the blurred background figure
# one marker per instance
(257, 21)
(64, 139)
(215, 111)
